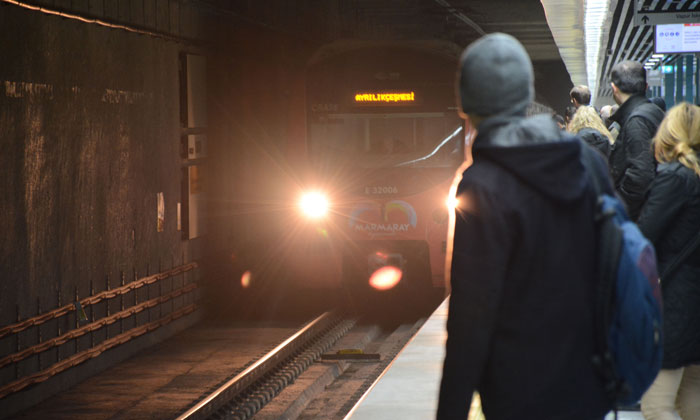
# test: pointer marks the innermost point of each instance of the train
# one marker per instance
(383, 144)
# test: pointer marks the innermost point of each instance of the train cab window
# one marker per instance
(387, 140)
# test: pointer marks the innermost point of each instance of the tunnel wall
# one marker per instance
(255, 155)
(90, 134)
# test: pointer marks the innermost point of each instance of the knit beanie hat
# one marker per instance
(496, 77)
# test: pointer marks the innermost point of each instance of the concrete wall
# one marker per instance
(256, 135)
(89, 134)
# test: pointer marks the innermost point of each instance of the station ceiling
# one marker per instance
(463, 21)
(620, 38)
(626, 41)
(457, 21)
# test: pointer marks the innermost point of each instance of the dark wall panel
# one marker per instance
(89, 134)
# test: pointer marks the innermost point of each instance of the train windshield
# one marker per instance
(426, 140)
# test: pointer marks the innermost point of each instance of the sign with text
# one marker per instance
(384, 98)
(679, 38)
(645, 14)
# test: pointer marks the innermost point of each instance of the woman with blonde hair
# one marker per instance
(670, 219)
(588, 126)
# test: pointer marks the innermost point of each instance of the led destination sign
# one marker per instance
(385, 97)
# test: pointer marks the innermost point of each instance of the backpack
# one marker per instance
(627, 297)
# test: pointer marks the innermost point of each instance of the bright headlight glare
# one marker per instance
(313, 205)
(451, 203)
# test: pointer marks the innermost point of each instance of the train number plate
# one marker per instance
(381, 190)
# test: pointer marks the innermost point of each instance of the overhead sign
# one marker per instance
(681, 38)
(644, 14)
(385, 97)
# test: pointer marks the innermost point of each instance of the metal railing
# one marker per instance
(77, 309)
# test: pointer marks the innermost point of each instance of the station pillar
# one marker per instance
(679, 79)
(690, 70)
(669, 88)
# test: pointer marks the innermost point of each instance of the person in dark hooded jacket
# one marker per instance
(671, 220)
(521, 256)
(632, 165)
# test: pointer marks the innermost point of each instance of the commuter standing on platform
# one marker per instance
(632, 165)
(671, 220)
(569, 115)
(588, 126)
(660, 102)
(580, 96)
(520, 320)
(605, 113)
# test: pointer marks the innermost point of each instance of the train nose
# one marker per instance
(379, 260)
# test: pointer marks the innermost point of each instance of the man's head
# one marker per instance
(495, 77)
(580, 95)
(627, 78)
(605, 114)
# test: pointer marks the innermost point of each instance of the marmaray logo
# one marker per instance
(376, 218)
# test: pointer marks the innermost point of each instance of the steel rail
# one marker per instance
(253, 373)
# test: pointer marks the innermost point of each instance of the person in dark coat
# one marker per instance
(632, 165)
(569, 112)
(521, 256)
(660, 102)
(560, 121)
(588, 126)
(671, 219)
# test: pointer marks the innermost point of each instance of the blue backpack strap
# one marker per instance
(609, 238)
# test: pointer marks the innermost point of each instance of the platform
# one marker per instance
(409, 387)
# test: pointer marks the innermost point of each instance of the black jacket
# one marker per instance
(632, 164)
(520, 323)
(670, 218)
(596, 140)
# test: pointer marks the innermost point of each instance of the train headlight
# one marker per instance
(451, 202)
(313, 205)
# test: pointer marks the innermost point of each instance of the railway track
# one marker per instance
(267, 369)
(244, 394)
(252, 391)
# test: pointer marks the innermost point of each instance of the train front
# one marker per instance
(384, 141)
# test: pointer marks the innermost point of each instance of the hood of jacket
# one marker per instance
(536, 152)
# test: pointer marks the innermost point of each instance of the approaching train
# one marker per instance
(384, 141)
